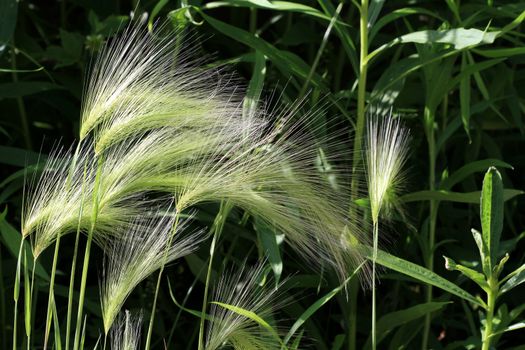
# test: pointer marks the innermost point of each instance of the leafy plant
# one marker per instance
(491, 263)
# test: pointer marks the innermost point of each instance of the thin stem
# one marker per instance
(3, 325)
(87, 252)
(31, 319)
(154, 307)
(429, 126)
(320, 50)
(74, 265)
(16, 292)
(218, 227)
(359, 130)
(374, 258)
(492, 294)
(51, 292)
(20, 103)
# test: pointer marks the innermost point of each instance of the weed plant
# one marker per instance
(175, 202)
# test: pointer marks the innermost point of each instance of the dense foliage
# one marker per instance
(451, 71)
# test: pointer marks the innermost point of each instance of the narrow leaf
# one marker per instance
(390, 321)
(442, 195)
(316, 306)
(421, 274)
(492, 199)
(252, 316)
(469, 169)
(514, 279)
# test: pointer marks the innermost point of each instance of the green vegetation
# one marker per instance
(256, 174)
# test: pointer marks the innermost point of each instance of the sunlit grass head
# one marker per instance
(237, 294)
(125, 334)
(386, 153)
(136, 254)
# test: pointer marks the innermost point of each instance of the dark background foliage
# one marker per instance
(45, 50)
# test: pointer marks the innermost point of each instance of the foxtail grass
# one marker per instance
(386, 153)
(157, 124)
(241, 304)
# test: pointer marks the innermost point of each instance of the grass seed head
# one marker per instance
(386, 153)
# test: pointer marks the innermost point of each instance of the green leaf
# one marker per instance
(8, 10)
(315, 306)
(421, 274)
(255, 87)
(468, 272)
(288, 63)
(479, 243)
(459, 38)
(24, 88)
(513, 279)
(27, 297)
(11, 239)
(195, 313)
(252, 316)
(338, 342)
(390, 321)
(270, 243)
(158, 7)
(399, 13)
(373, 11)
(513, 327)
(19, 157)
(469, 169)
(400, 70)
(56, 325)
(492, 199)
(286, 6)
(466, 197)
(499, 53)
(464, 96)
(71, 50)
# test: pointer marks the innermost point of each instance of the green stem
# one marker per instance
(51, 292)
(73, 266)
(16, 292)
(87, 251)
(361, 88)
(20, 103)
(218, 227)
(159, 278)
(359, 130)
(3, 325)
(429, 125)
(492, 294)
(374, 258)
(320, 51)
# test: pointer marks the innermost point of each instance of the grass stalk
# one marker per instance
(429, 126)
(492, 294)
(73, 269)
(20, 103)
(218, 226)
(51, 292)
(87, 253)
(16, 293)
(358, 139)
(3, 325)
(159, 279)
(374, 258)
(320, 51)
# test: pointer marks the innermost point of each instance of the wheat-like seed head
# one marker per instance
(125, 335)
(386, 153)
(153, 122)
(242, 289)
(136, 254)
